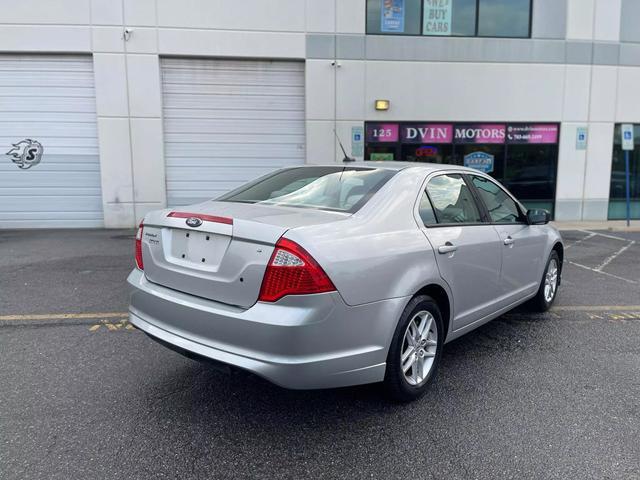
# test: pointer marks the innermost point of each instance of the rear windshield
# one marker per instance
(343, 189)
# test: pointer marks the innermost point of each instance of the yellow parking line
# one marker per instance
(598, 308)
(64, 316)
(123, 315)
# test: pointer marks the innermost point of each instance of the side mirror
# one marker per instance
(538, 217)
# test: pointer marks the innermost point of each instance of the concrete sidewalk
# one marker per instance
(611, 225)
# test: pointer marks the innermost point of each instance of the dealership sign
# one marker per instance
(471, 133)
(427, 133)
(536, 133)
(383, 132)
(481, 161)
(483, 133)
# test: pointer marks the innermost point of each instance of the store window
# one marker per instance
(523, 157)
(504, 18)
(618, 191)
(466, 18)
(531, 174)
(502, 209)
(395, 17)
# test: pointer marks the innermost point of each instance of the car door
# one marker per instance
(523, 245)
(468, 249)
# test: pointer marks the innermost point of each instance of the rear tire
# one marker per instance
(415, 350)
(548, 285)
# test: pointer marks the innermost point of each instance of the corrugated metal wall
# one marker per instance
(49, 99)
(229, 121)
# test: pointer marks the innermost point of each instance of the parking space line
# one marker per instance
(597, 308)
(591, 235)
(605, 235)
(615, 255)
(64, 316)
(633, 282)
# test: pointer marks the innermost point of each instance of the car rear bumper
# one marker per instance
(299, 342)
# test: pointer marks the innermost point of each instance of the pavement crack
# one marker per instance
(184, 387)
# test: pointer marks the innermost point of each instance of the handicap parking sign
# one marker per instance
(627, 137)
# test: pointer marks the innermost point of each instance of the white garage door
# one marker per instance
(229, 121)
(49, 163)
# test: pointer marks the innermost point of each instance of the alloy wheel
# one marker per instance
(419, 348)
(551, 281)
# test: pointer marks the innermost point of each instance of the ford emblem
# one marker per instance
(194, 222)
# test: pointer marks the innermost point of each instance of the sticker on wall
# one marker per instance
(26, 153)
(481, 161)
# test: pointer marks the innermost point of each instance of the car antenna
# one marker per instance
(346, 158)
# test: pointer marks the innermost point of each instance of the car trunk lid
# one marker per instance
(222, 257)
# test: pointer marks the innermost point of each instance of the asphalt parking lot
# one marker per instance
(84, 395)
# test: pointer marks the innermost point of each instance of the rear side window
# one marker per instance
(426, 210)
(343, 189)
(501, 207)
(452, 200)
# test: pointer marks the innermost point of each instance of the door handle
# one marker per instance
(509, 241)
(447, 248)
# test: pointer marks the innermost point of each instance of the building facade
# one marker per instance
(112, 108)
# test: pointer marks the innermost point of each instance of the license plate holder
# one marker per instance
(198, 248)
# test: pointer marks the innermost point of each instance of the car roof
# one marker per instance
(397, 166)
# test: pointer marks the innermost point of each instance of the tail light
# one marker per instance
(292, 271)
(139, 263)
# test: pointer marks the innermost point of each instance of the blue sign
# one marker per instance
(357, 141)
(392, 16)
(627, 136)
(479, 161)
(582, 136)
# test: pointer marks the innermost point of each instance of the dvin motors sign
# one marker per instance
(427, 133)
(483, 133)
(462, 133)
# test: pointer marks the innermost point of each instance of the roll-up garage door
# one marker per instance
(49, 162)
(229, 121)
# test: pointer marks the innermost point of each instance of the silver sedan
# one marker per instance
(327, 276)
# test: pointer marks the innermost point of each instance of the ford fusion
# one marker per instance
(327, 276)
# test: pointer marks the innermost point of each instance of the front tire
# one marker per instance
(548, 286)
(415, 351)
